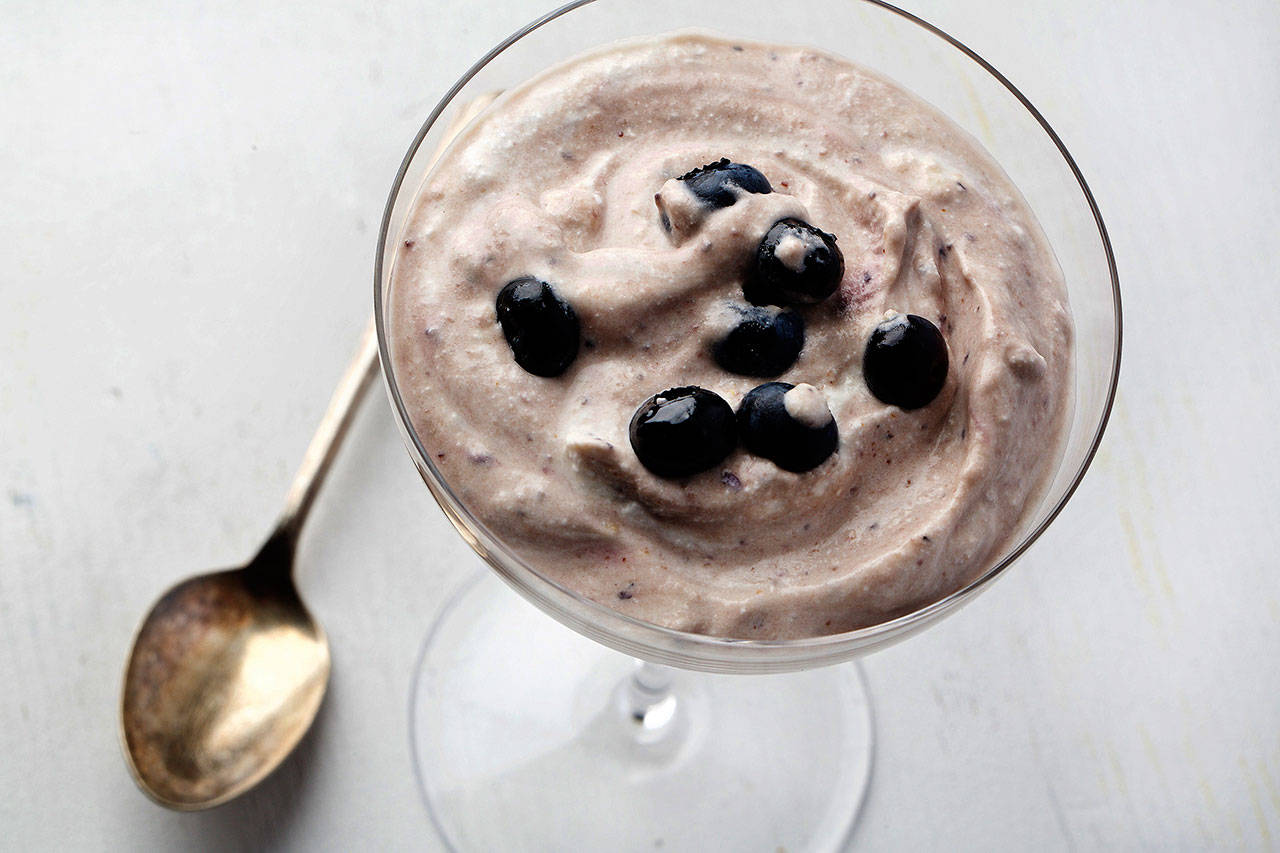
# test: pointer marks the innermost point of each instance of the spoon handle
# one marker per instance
(350, 390)
(329, 434)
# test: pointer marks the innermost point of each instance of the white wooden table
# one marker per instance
(191, 195)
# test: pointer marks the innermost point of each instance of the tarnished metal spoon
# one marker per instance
(228, 669)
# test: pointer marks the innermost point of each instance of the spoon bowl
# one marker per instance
(226, 675)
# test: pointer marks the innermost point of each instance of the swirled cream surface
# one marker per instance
(557, 180)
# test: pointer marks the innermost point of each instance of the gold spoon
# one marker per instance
(228, 669)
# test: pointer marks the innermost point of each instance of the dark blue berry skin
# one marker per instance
(713, 183)
(773, 282)
(683, 431)
(906, 362)
(767, 430)
(540, 327)
(765, 342)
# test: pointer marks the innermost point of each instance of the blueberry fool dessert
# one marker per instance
(738, 339)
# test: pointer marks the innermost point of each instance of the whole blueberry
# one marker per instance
(540, 327)
(764, 342)
(795, 264)
(790, 425)
(713, 183)
(683, 431)
(905, 363)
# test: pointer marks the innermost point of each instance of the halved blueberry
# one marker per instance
(540, 327)
(765, 342)
(790, 425)
(683, 431)
(906, 361)
(714, 182)
(795, 264)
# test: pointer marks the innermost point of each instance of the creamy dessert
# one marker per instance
(735, 338)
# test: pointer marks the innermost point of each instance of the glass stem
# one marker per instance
(647, 698)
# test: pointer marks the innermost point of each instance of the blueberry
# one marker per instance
(796, 438)
(541, 328)
(795, 263)
(713, 183)
(765, 342)
(905, 363)
(683, 431)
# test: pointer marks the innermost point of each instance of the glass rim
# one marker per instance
(460, 514)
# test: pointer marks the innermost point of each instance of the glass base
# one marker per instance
(528, 736)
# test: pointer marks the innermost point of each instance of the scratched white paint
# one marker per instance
(190, 198)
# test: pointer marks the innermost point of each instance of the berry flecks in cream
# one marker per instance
(572, 183)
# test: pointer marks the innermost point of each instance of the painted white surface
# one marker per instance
(190, 198)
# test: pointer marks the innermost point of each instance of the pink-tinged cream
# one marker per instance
(563, 178)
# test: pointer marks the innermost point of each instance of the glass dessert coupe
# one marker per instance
(527, 735)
